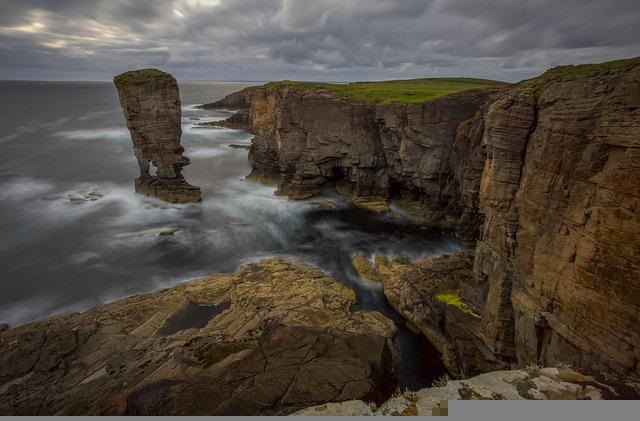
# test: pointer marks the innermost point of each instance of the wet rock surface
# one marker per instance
(272, 338)
(150, 101)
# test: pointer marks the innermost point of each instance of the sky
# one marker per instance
(323, 40)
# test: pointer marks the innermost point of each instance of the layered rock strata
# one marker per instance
(272, 338)
(150, 101)
(309, 138)
(558, 251)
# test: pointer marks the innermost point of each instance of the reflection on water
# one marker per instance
(65, 249)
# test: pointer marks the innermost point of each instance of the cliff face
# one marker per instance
(544, 175)
(308, 138)
(150, 102)
(559, 250)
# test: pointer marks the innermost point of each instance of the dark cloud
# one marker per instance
(319, 39)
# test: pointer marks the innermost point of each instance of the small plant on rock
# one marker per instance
(442, 381)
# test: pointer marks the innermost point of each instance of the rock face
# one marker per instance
(415, 151)
(273, 338)
(543, 175)
(150, 101)
(533, 383)
(558, 252)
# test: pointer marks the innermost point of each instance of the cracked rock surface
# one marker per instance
(272, 338)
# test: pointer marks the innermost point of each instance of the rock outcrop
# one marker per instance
(150, 102)
(428, 293)
(272, 338)
(238, 101)
(532, 383)
(543, 175)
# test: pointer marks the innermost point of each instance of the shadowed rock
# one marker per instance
(150, 102)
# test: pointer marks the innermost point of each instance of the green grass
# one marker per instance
(412, 90)
(452, 298)
(153, 74)
(572, 73)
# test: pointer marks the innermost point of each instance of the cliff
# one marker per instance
(307, 139)
(272, 338)
(150, 101)
(557, 257)
(541, 176)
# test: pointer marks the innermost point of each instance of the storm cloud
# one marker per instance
(311, 40)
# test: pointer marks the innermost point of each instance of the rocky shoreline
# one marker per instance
(275, 337)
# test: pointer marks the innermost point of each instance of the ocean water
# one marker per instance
(63, 140)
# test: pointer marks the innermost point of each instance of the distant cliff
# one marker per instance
(542, 176)
(373, 151)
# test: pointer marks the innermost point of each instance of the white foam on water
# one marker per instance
(24, 188)
(204, 152)
(115, 133)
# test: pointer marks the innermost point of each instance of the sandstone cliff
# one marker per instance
(272, 338)
(543, 175)
(150, 102)
(558, 255)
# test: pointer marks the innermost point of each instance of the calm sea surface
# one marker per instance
(62, 140)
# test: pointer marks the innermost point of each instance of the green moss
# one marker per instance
(411, 90)
(452, 298)
(143, 74)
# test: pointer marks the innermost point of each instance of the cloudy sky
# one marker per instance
(339, 40)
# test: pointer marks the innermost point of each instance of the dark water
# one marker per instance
(64, 139)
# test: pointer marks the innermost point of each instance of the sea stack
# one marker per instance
(150, 101)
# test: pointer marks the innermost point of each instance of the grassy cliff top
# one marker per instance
(143, 74)
(411, 90)
(579, 71)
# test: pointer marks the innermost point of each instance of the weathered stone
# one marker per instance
(497, 385)
(413, 289)
(269, 339)
(150, 102)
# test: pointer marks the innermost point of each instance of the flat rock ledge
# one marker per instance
(548, 383)
(273, 338)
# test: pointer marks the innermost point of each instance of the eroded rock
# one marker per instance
(432, 295)
(150, 102)
(269, 339)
